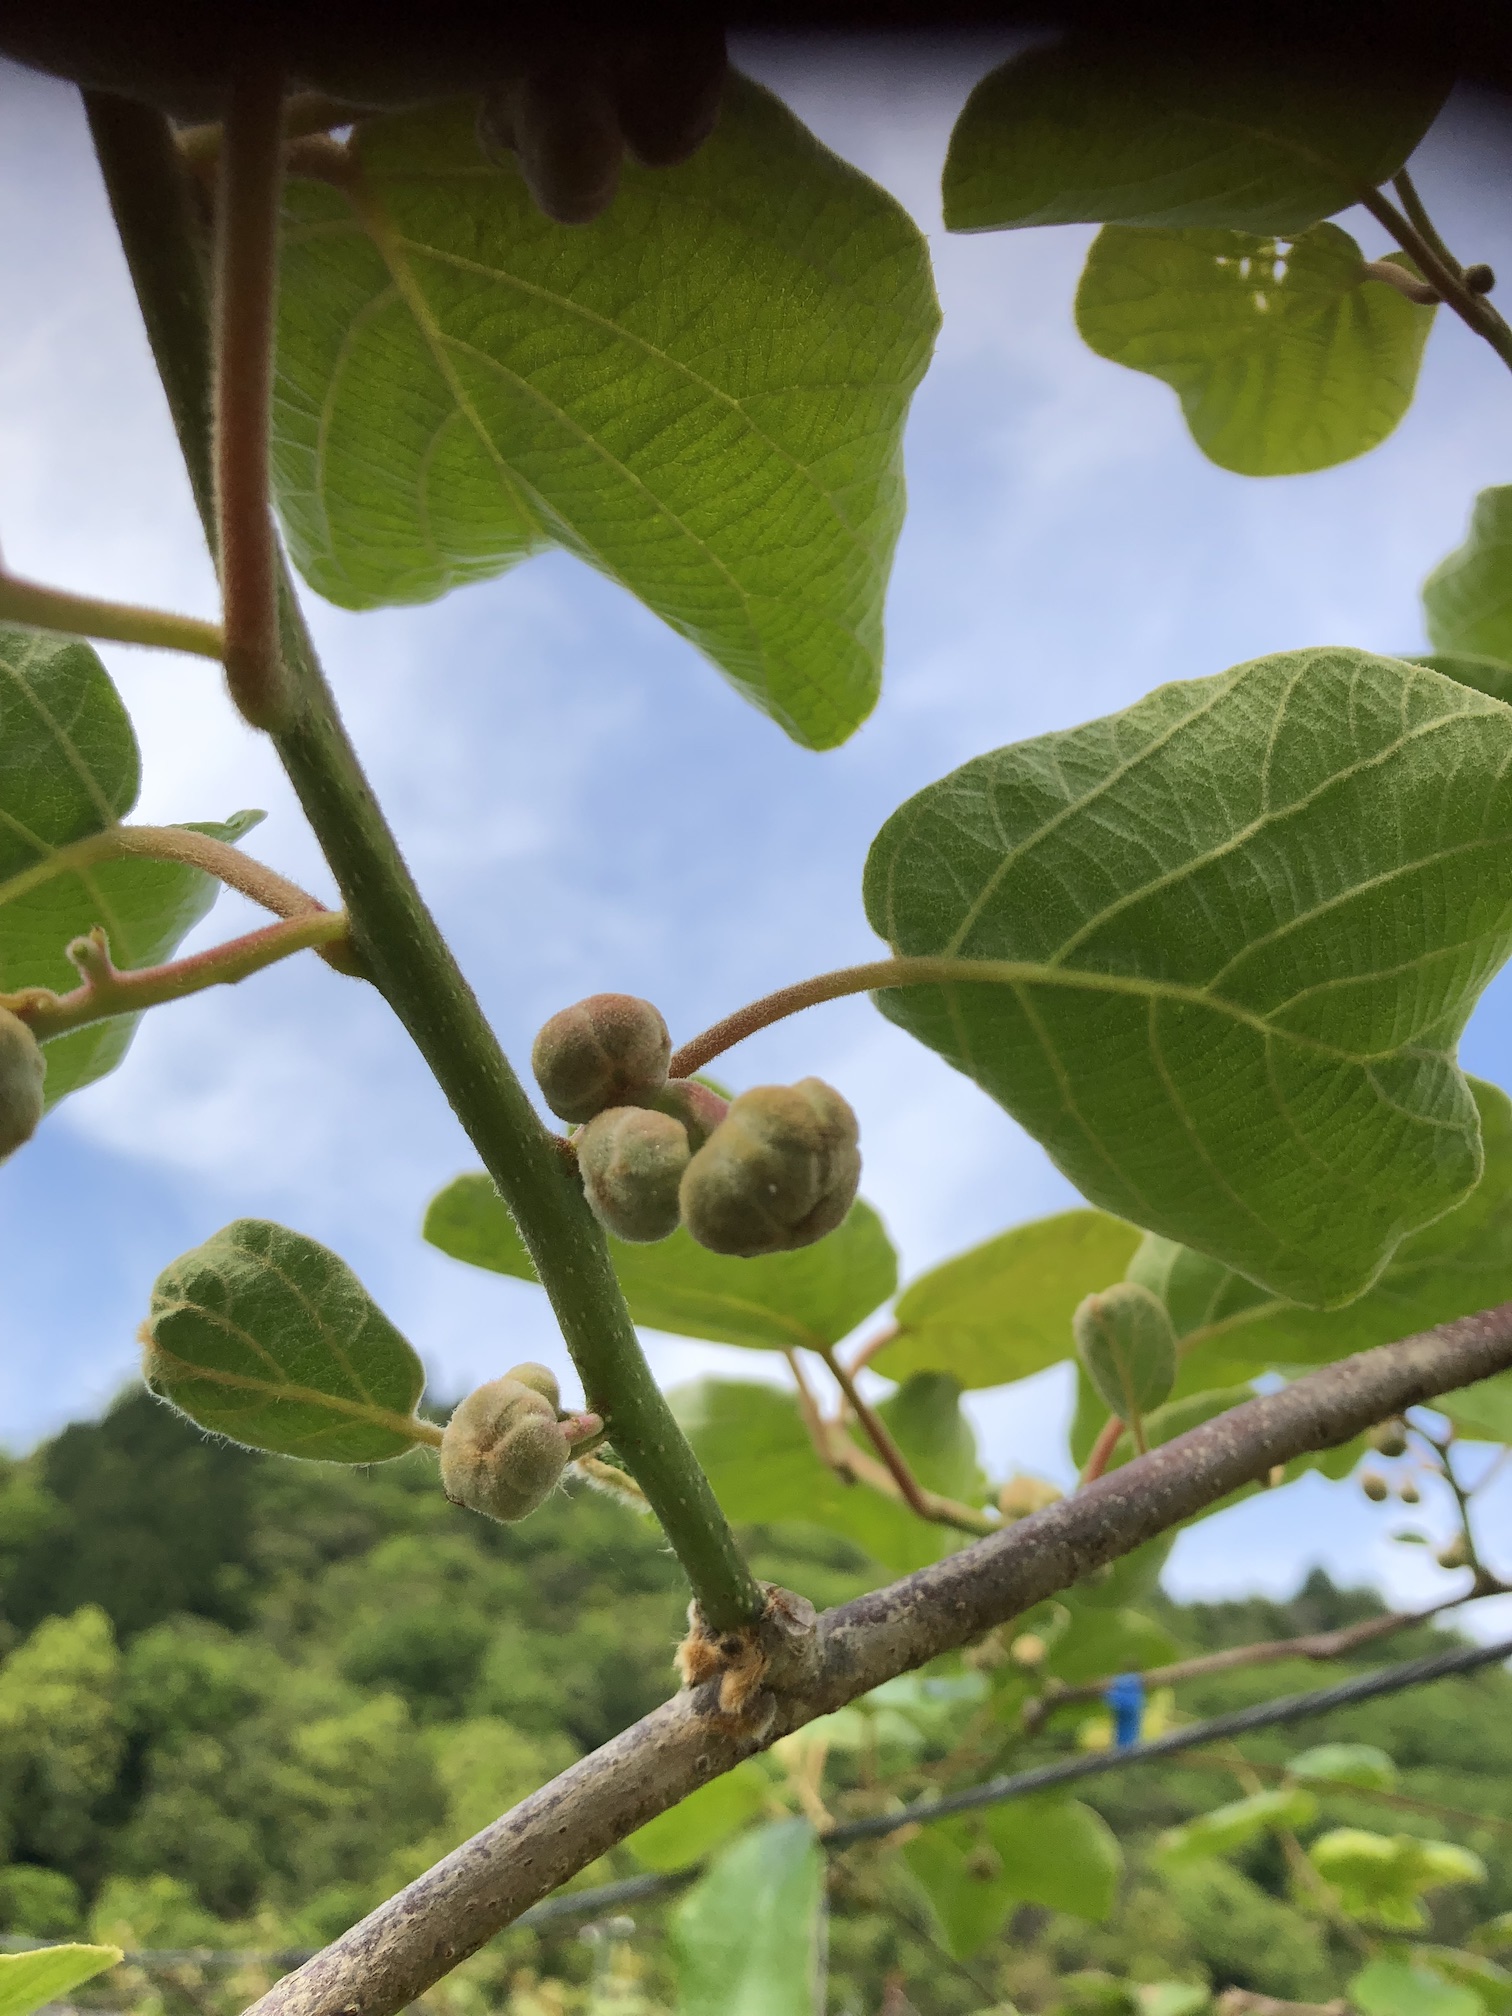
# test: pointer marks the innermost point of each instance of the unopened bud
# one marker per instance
(1023, 1494)
(698, 1107)
(1375, 1487)
(780, 1171)
(503, 1451)
(1389, 1437)
(631, 1161)
(1127, 1345)
(1028, 1649)
(1456, 1554)
(610, 1050)
(1408, 1492)
(22, 1069)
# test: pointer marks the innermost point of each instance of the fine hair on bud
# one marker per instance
(540, 1379)
(1127, 1345)
(610, 1050)
(503, 1451)
(699, 1107)
(778, 1172)
(22, 1070)
(632, 1161)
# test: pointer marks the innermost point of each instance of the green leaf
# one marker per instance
(1493, 1984)
(812, 1298)
(1127, 1348)
(702, 393)
(1394, 1985)
(1003, 1309)
(974, 1870)
(1360, 1764)
(748, 1939)
(1286, 357)
(1229, 1828)
(1231, 1330)
(1172, 1998)
(1229, 939)
(689, 1831)
(936, 1440)
(266, 1338)
(29, 1980)
(1097, 1643)
(1098, 129)
(1482, 1412)
(1486, 675)
(1468, 597)
(69, 769)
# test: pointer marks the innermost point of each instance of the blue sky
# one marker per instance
(1067, 549)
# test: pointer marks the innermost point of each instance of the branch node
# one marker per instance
(749, 1667)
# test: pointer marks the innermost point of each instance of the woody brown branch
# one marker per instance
(396, 1953)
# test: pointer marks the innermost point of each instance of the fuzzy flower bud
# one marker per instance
(631, 1161)
(503, 1451)
(610, 1050)
(22, 1068)
(699, 1107)
(778, 1172)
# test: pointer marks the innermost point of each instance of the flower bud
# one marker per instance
(631, 1161)
(22, 1068)
(1456, 1554)
(1023, 1494)
(1375, 1487)
(698, 1107)
(540, 1379)
(1389, 1437)
(778, 1172)
(503, 1451)
(1127, 1345)
(610, 1050)
(1408, 1492)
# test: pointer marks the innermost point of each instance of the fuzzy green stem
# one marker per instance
(402, 950)
(105, 991)
(43, 608)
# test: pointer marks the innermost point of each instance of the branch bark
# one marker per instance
(396, 1952)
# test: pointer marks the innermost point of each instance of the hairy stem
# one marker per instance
(43, 608)
(1102, 1449)
(246, 295)
(397, 939)
(926, 1504)
(1441, 271)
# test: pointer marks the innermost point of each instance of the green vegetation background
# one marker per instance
(242, 1700)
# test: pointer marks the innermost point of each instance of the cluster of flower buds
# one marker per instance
(505, 1448)
(771, 1170)
(22, 1069)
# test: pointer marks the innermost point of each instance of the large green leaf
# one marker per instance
(1003, 1309)
(69, 769)
(1231, 1330)
(1098, 130)
(30, 1980)
(924, 1418)
(1229, 939)
(1486, 675)
(266, 1338)
(1053, 1852)
(687, 1832)
(702, 393)
(748, 1939)
(812, 1298)
(1468, 597)
(1285, 357)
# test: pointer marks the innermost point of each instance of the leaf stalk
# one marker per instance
(38, 607)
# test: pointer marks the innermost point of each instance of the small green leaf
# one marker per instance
(1483, 1412)
(69, 769)
(1286, 356)
(748, 1939)
(1126, 1344)
(692, 1829)
(1360, 1764)
(1097, 1643)
(1229, 1828)
(812, 1298)
(1493, 1984)
(29, 1980)
(266, 1338)
(1003, 1309)
(1468, 597)
(1099, 129)
(1486, 675)
(1393, 1984)
(1229, 938)
(975, 1869)
(702, 393)
(936, 1440)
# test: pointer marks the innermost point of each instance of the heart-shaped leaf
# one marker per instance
(69, 770)
(1100, 129)
(266, 1338)
(1228, 939)
(1468, 597)
(1285, 356)
(702, 393)
(30, 1980)
(1231, 1330)
(811, 1298)
(748, 1939)
(1003, 1309)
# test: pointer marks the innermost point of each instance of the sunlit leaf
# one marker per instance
(70, 769)
(1393, 1984)
(1003, 1309)
(974, 1869)
(702, 393)
(266, 1338)
(748, 1939)
(1468, 597)
(1229, 939)
(1360, 1764)
(1228, 1828)
(1286, 356)
(813, 1297)
(29, 1980)
(1102, 129)
(689, 1831)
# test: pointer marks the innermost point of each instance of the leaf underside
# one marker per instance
(1240, 927)
(265, 1337)
(1099, 129)
(748, 1939)
(1286, 357)
(702, 393)
(1468, 597)
(69, 768)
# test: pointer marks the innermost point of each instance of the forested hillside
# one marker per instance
(243, 1699)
